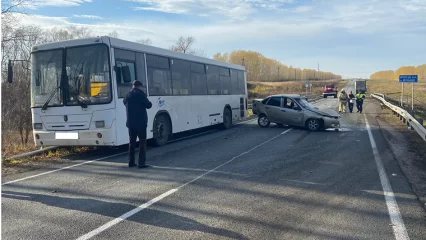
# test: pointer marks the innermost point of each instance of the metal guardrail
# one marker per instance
(405, 116)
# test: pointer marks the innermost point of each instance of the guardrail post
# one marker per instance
(421, 121)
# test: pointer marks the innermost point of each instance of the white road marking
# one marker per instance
(125, 216)
(399, 229)
(15, 195)
(149, 203)
(60, 169)
(114, 155)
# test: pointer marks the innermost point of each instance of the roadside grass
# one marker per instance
(392, 90)
(12, 145)
(264, 89)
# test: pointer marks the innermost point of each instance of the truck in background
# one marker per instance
(361, 85)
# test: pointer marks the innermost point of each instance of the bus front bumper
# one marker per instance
(95, 137)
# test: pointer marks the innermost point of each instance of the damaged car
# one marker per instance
(294, 110)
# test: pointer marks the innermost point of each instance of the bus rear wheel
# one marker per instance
(162, 130)
(227, 119)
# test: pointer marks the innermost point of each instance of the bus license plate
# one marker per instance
(66, 135)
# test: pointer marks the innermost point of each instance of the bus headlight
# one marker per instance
(100, 124)
(38, 125)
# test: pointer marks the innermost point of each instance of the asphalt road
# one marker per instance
(242, 183)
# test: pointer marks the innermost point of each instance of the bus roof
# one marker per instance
(133, 46)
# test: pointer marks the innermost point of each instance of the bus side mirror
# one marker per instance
(10, 72)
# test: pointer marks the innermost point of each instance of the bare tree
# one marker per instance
(71, 32)
(113, 34)
(14, 6)
(184, 45)
(145, 41)
(16, 115)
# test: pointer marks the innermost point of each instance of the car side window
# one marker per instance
(274, 101)
(289, 103)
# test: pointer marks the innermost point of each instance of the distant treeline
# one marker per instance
(262, 69)
(405, 70)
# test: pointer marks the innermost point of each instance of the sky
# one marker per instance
(353, 38)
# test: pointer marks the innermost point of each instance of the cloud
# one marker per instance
(235, 9)
(88, 16)
(303, 9)
(59, 3)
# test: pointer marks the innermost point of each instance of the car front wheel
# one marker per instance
(313, 124)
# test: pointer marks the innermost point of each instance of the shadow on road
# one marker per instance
(152, 217)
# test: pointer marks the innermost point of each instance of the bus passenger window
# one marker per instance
(126, 74)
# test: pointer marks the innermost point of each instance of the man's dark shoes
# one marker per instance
(132, 164)
(144, 166)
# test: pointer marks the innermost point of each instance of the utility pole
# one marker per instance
(318, 71)
(242, 61)
(295, 78)
(278, 72)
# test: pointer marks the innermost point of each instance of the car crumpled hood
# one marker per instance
(327, 112)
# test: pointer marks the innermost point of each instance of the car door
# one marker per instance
(273, 108)
(292, 113)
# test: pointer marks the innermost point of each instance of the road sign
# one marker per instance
(408, 78)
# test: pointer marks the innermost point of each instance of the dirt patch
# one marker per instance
(409, 149)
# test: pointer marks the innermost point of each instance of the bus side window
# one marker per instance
(126, 74)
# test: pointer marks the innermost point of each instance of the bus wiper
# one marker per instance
(50, 98)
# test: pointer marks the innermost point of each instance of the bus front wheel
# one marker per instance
(162, 130)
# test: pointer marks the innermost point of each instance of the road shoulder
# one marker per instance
(409, 150)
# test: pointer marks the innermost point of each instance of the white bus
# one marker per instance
(77, 91)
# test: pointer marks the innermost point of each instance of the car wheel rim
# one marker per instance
(313, 124)
(263, 121)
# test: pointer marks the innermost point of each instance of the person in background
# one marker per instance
(351, 102)
(343, 99)
(136, 103)
(360, 96)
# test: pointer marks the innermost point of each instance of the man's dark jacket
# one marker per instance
(136, 104)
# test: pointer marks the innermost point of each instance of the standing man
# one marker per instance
(136, 104)
(360, 96)
(351, 102)
(343, 98)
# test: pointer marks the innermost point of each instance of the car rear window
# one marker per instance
(329, 86)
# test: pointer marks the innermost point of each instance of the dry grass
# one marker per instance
(392, 90)
(52, 156)
(264, 89)
(12, 144)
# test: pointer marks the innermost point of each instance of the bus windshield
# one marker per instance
(45, 78)
(87, 76)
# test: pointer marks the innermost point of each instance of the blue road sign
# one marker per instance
(408, 78)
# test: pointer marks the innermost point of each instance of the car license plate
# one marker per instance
(66, 135)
